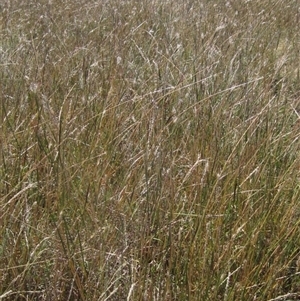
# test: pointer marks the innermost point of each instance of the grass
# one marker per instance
(149, 150)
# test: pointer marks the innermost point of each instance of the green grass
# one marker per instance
(149, 150)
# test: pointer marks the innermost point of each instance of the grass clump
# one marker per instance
(149, 150)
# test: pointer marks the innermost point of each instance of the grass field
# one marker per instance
(150, 150)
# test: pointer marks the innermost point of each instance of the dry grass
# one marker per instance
(149, 150)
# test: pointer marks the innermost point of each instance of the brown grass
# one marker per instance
(149, 150)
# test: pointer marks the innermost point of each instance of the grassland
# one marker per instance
(150, 150)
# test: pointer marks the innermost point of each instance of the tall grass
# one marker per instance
(149, 150)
